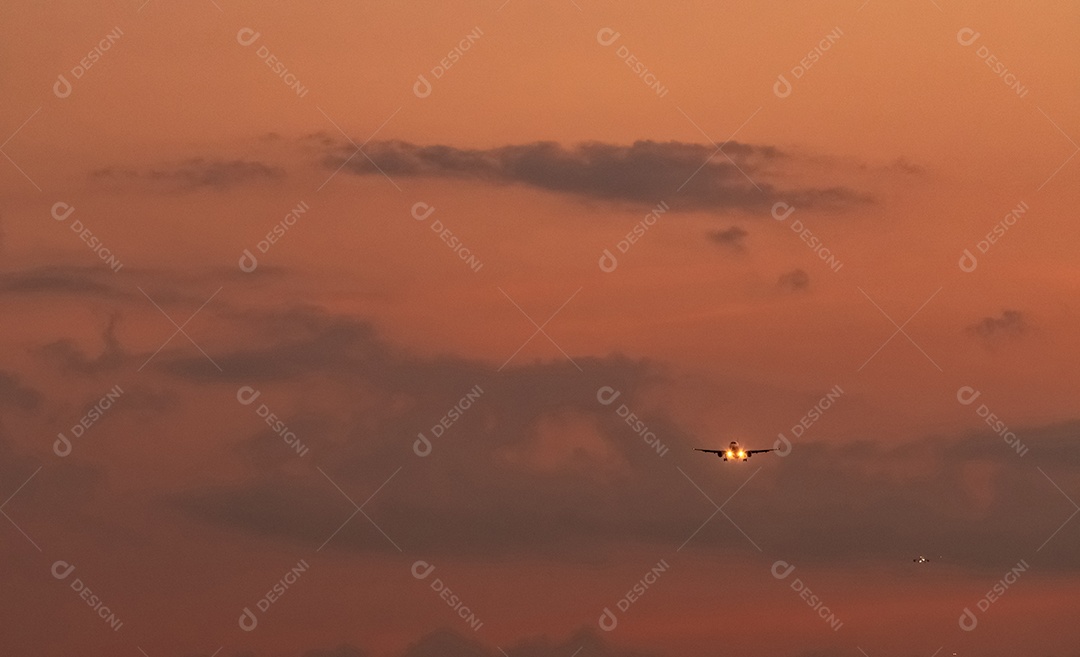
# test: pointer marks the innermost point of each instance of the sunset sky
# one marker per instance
(417, 311)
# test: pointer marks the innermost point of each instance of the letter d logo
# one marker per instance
(61, 565)
(606, 36)
(62, 446)
(422, 88)
(246, 395)
(248, 621)
(245, 37)
(421, 569)
(422, 446)
(608, 262)
(968, 262)
(781, 439)
(607, 620)
(781, 210)
(781, 565)
(782, 88)
(966, 36)
(248, 262)
(607, 395)
(62, 88)
(967, 395)
(61, 210)
(421, 210)
(968, 621)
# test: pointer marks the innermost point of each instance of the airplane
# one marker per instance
(734, 452)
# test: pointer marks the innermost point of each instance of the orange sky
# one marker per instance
(539, 148)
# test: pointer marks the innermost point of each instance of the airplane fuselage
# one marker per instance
(734, 453)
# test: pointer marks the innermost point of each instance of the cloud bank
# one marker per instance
(687, 176)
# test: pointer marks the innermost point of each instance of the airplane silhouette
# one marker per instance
(734, 452)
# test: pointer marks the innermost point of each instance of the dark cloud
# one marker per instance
(687, 176)
(196, 173)
(312, 343)
(539, 466)
(973, 500)
(66, 356)
(731, 238)
(444, 642)
(1011, 324)
(64, 497)
(585, 642)
(15, 395)
(904, 165)
(61, 280)
(901, 165)
(520, 406)
(97, 283)
(795, 280)
(61, 283)
(343, 650)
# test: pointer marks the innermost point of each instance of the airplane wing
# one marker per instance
(760, 451)
(711, 451)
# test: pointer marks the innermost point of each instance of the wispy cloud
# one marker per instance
(732, 238)
(795, 280)
(194, 174)
(1012, 324)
